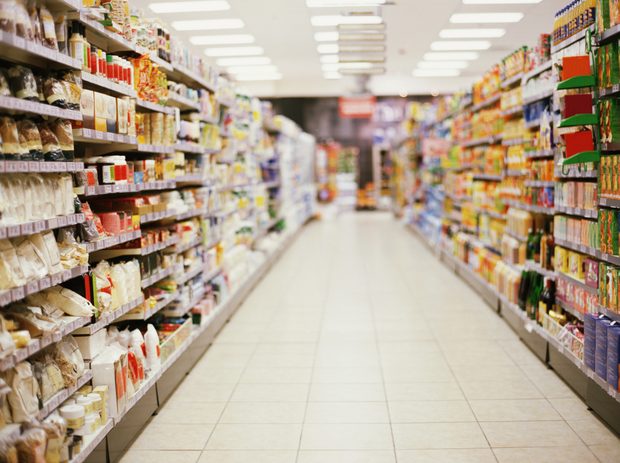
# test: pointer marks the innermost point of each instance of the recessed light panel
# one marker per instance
(207, 24)
(335, 20)
(189, 7)
(329, 59)
(485, 18)
(326, 36)
(257, 77)
(326, 48)
(450, 56)
(236, 39)
(471, 33)
(244, 61)
(500, 2)
(234, 51)
(361, 37)
(343, 3)
(461, 45)
(443, 64)
(436, 72)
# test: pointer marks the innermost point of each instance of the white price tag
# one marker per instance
(56, 278)
(3, 232)
(27, 228)
(18, 293)
(62, 221)
(32, 287)
(2, 166)
(5, 297)
(11, 166)
(33, 166)
(14, 230)
(44, 283)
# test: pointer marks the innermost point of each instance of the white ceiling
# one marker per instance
(283, 29)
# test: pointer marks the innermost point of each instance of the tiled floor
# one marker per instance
(359, 346)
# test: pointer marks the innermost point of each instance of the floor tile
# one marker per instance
(437, 411)
(264, 412)
(256, 375)
(607, 453)
(371, 392)
(568, 454)
(270, 393)
(248, 456)
(189, 413)
(593, 432)
(346, 456)
(178, 437)
(446, 456)
(191, 390)
(438, 436)
(514, 410)
(347, 412)
(529, 434)
(481, 390)
(346, 437)
(255, 437)
(160, 456)
(571, 409)
(424, 391)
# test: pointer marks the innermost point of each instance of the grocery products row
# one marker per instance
(141, 197)
(517, 187)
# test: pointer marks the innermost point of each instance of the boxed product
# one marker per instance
(613, 354)
(101, 112)
(91, 345)
(589, 342)
(87, 108)
(600, 355)
(109, 369)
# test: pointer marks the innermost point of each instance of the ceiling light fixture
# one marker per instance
(450, 56)
(362, 48)
(361, 36)
(234, 51)
(362, 71)
(328, 48)
(332, 75)
(362, 59)
(341, 3)
(480, 18)
(244, 61)
(189, 7)
(443, 64)
(499, 2)
(326, 36)
(257, 77)
(207, 24)
(471, 33)
(361, 27)
(253, 69)
(329, 59)
(436, 72)
(238, 39)
(336, 20)
(458, 45)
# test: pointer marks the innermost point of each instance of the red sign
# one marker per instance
(362, 107)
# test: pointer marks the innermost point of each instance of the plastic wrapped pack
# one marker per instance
(68, 301)
(31, 446)
(23, 84)
(69, 359)
(49, 376)
(11, 275)
(24, 396)
(47, 246)
(31, 260)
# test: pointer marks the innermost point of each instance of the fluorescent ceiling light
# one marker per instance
(475, 18)
(335, 20)
(436, 72)
(238, 39)
(326, 36)
(361, 27)
(207, 24)
(471, 33)
(362, 58)
(341, 3)
(450, 56)
(363, 71)
(361, 36)
(189, 7)
(328, 48)
(362, 48)
(332, 75)
(329, 59)
(499, 2)
(244, 61)
(443, 64)
(234, 51)
(330, 67)
(257, 77)
(461, 45)
(253, 69)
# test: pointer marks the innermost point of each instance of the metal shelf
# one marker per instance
(107, 85)
(12, 105)
(18, 50)
(39, 166)
(486, 103)
(25, 229)
(587, 213)
(582, 248)
(181, 102)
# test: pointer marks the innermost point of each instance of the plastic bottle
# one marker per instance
(76, 43)
(151, 340)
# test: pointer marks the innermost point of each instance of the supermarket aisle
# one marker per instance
(359, 346)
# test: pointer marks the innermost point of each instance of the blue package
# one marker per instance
(613, 353)
(589, 341)
(600, 363)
